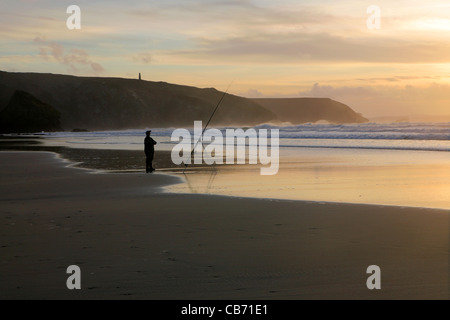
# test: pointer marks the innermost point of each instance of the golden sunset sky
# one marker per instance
(267, 48)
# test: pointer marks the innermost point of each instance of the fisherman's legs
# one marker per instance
(148, 163)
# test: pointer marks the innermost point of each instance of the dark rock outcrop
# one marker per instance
(26, 114)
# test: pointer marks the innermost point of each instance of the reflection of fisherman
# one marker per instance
(149, 148)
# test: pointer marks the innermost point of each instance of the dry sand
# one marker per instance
(133, 241)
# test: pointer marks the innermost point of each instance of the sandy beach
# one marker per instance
(295, 150)
(133, 240)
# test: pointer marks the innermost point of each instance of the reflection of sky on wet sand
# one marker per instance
(356, 176)
(388, 177)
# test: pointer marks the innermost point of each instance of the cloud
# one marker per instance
(252, 93)
(259, 32)
(97, 67)
(143, 57)
(323, 47)
(326, 91)
(387, 100)
(220, 19)
(74, 59)
(399, 78)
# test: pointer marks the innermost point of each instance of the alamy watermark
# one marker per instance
(73, 22)
(374, 281)
(374, 20)
(211, 147)
(74, 280)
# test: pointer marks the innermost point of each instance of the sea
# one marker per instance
(390, 136)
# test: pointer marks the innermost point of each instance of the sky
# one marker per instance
(395, 64)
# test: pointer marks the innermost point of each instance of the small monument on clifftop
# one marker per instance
(139, 76)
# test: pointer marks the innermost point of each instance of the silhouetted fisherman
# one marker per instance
(149, 148)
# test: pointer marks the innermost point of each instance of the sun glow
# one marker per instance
(433, 24)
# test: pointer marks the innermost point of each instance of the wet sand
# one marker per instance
(381, 177)
(134, 241)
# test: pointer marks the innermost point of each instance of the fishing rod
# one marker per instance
(207, 123)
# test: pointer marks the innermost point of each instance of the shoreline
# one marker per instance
(170, 173)
(133, 241)
(387, 178)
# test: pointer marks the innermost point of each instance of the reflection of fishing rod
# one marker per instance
(207, 123)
